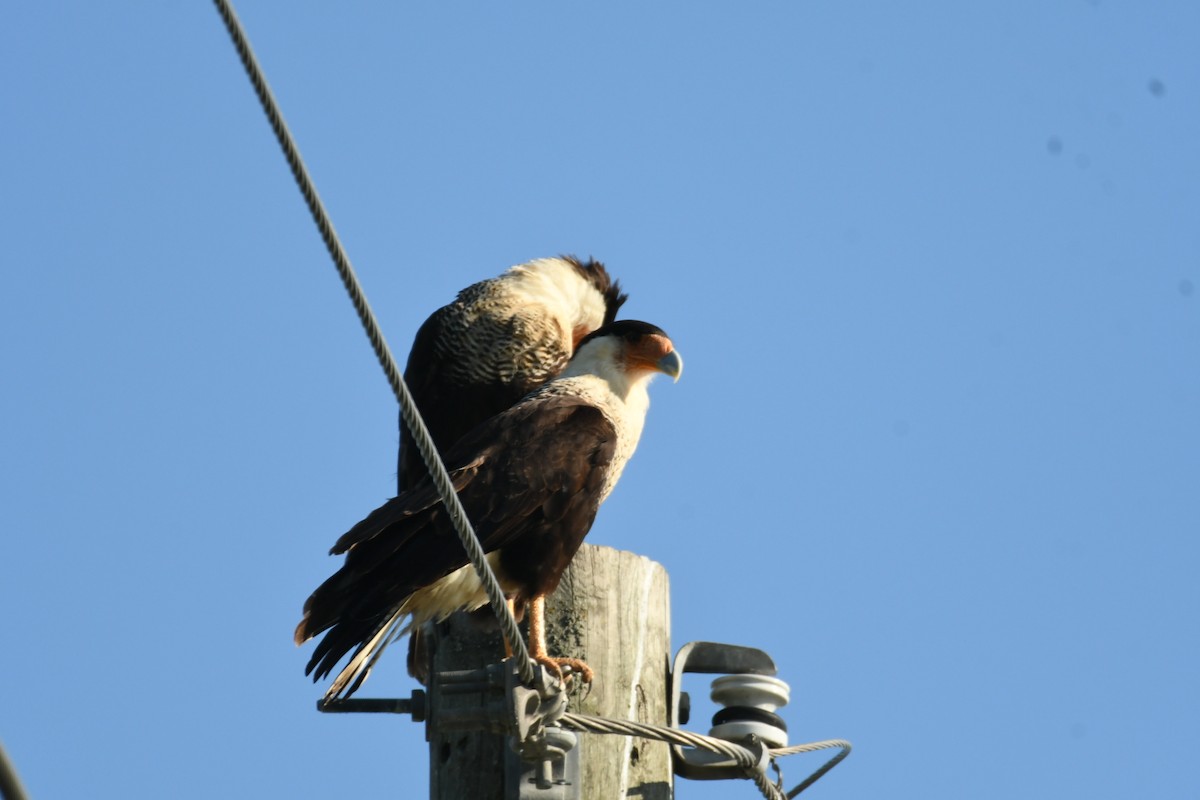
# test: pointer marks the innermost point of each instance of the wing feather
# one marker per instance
(529, 480)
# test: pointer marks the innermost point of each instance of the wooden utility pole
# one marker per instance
(612, 609)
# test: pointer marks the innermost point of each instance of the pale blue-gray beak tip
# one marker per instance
(671, 364)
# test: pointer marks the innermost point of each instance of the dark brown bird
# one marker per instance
(531, 480)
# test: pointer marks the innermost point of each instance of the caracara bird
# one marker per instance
(497, 342)
(531, 480)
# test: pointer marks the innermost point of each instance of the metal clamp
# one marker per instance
(711, 658)
(501, 703)
(547, 767)
(543, 758)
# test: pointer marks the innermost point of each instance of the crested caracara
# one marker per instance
(498, 341)
(531, 480)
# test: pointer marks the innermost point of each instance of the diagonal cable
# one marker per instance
(408, 409)
(740, 755)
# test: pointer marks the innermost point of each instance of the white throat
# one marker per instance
(596, 370)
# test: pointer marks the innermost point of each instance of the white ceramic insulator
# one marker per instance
(758, 691)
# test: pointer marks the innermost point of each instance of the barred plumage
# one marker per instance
(531, 479)
(499, 340)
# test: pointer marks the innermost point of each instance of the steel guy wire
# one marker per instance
(744, 757)
(408, 409)
(437, 469)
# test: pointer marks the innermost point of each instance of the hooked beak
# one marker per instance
(671, 364)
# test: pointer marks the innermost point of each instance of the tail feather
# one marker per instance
(364, 606)
(363, 661)
(329, 604)
(365, 638)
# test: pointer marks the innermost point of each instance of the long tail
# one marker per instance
(363, 661)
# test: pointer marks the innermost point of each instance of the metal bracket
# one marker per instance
(711, 658)
(554, 772)
(543, 761)
(417, 705)
(494, 699)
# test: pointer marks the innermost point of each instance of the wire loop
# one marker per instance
(754, 762)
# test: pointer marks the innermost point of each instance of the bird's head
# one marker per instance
(626, 354)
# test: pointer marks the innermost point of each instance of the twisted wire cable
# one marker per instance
(441, 478)
(408, 409)
(820, 771)
(743, 757)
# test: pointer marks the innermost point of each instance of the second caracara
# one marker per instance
(531, 480)
(498, 341)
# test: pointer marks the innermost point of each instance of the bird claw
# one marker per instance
(577, 666)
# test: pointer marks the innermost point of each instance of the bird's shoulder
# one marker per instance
(545, 428)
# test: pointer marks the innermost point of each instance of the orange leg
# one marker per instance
(537, 644)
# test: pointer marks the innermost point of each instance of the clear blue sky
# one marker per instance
(934, 268)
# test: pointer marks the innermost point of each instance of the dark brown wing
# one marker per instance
(530, 482)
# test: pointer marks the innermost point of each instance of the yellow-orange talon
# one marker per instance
(537, 646)
(555, 665)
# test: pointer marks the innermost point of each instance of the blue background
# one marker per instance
(933, 268)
